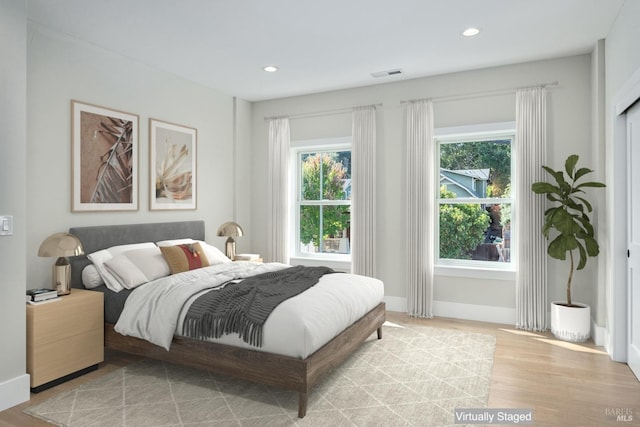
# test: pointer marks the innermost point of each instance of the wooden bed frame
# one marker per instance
(289, 373)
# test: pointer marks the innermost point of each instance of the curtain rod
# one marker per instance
(479, 94)
(321, 113)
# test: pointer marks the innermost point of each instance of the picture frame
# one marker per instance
(104, 159)
(172, 166)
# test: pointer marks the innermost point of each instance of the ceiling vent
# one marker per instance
(387, 73)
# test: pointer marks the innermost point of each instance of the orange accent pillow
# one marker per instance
(189, 256)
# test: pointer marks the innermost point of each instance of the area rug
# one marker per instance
(413, 376)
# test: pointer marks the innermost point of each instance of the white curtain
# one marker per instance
(420, 185)
(531, 284)
(363, 191)
(278, 191)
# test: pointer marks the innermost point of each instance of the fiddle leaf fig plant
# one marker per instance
(568, 218)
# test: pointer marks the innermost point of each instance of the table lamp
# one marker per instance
(61, 246)
(230, 230)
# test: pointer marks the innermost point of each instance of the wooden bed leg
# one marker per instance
(302, 404)
(380, 333)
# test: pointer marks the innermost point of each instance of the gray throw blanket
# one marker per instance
(243, 307)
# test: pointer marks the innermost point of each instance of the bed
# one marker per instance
(289, 372)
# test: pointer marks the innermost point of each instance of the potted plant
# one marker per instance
(569, 222)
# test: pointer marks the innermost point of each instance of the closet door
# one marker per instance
(633, 215)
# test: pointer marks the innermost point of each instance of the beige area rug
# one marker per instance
(414, 376)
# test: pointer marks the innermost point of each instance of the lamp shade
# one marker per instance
(230, 229)
(61, 245)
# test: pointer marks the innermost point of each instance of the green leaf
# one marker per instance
(557, 175)
(570, 165)
(583, 257)
(544, 188)
(566, 188)
(565, 223)
(574, 205)
(580, 173)
(591, 184)
(559, 246)
(586, 225)
(586, 203)
(592, 246)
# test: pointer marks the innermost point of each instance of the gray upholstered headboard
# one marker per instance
(103, 237)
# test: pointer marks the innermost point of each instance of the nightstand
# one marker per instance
(248, 257)
(65, 338)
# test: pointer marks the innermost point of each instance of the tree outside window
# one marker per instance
(324, 202)
(475, 199)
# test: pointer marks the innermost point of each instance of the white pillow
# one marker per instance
(98, 259)
(214, 255)
(138, 266)
(175, 242)
(90, 277)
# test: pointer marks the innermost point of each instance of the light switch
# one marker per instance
(6, 225)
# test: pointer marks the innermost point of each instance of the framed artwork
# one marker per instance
(172, 166)
(104, 159)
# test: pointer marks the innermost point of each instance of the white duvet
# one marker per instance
(297, 327)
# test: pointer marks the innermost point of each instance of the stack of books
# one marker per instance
(41, 295)
(247, 257)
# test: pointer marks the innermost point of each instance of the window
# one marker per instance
(475, 199)
(323, 201)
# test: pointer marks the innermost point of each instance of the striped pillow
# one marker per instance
(188, 256)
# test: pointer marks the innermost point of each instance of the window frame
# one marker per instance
(477, 268)
(341, 261)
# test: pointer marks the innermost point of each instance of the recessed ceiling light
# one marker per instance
(387, 73)
(470, 32)
(270, 68)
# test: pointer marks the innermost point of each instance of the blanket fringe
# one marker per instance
(209, 326)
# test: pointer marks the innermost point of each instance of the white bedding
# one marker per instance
(297, 327)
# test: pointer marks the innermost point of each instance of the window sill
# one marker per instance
(342, 264)
(475, 272)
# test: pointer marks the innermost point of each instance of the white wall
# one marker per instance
(623, 55)
(14, 383)
(61, 69)
(243, 182)
(569, 132)
(599, 165)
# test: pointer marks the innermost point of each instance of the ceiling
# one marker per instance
(326, 45)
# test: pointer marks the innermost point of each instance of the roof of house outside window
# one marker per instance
(466, 182)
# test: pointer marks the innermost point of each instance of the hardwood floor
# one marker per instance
(565, 384)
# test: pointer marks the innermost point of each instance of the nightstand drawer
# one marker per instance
(50, 361)
(62, 319)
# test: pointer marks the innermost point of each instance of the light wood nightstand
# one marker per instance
(65, 338)
(248, 260)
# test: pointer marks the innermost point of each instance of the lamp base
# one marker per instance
(62, 276)
(230, 248)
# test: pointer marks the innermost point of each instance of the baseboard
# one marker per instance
(14, 391)
(598, 334)
(606, 343)
(482, 313)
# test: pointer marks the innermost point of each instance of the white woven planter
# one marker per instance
(571, 323)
